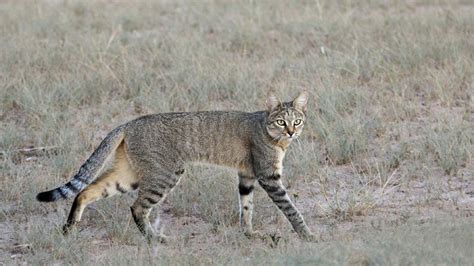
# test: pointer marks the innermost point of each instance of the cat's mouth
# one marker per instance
(290, 137)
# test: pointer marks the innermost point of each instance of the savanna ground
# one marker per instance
(383, 172)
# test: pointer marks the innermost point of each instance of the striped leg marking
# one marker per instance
(120, 179)
(276, 191)
(148, 197)
(246, 186)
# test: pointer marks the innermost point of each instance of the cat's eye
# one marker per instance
(280, 122)
(298, 122)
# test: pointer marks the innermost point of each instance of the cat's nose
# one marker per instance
(291, 133)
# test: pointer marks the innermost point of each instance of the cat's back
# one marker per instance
(218, 137)
(194, 120)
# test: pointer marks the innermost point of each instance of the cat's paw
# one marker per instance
(162, 239)
(69, 227)
(311, 238)
(157, 238)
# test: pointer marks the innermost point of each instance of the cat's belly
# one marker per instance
(241, 164)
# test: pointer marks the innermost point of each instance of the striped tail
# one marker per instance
(88, 171)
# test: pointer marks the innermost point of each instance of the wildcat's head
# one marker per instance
(285, 120)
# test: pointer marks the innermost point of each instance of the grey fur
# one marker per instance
(159, 146)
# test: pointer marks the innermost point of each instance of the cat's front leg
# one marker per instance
(277, 192)
(246, 186)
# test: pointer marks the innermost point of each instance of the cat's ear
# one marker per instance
(272, 101)
(301, 101)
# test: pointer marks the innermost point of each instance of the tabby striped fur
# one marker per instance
(150, 154)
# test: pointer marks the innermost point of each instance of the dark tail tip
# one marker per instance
(47, 196)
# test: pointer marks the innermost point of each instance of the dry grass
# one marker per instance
(385, 160)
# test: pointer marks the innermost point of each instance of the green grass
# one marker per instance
(388, 140)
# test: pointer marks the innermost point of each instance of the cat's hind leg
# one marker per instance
(119, 179)
(152, 191)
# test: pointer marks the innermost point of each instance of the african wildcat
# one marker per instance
(151, 152)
